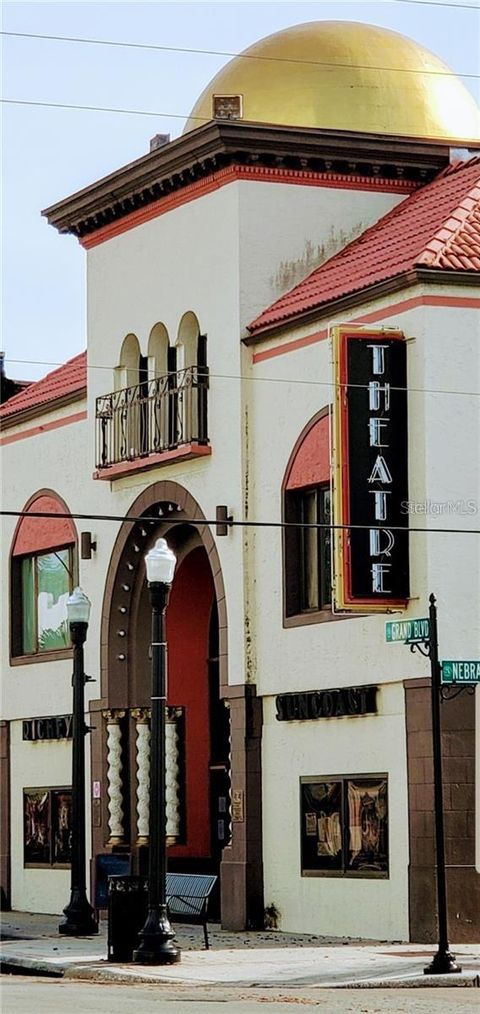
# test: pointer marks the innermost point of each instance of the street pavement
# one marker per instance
(23, 995)
(31, 945)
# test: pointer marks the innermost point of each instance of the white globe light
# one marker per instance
(160, 563)
(78, 607)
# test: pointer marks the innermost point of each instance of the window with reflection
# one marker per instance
(344, 825)
(307, 511)
(47, 827)
(43, 568)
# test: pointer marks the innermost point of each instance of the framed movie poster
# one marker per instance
(47, 824)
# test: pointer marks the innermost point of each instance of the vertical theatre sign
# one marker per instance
(370, 469)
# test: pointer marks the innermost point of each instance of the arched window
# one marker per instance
(43, 567)
(158, 351)
(306, 501)
(126, 373)
(192, 381)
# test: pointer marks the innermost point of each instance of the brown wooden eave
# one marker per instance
(42, 408)
(218, 144)
(406, 280)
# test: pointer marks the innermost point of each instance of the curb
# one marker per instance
(27, 966)
(103, 973)
(415, 982)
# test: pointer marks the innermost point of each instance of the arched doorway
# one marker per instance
(198, 740)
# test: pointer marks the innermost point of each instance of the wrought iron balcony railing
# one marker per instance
(152, 417)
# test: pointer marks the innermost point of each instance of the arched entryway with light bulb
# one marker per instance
(213, 729)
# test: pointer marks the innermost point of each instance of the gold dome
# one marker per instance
(345, 76)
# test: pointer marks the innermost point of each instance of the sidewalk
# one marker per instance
(31, 944)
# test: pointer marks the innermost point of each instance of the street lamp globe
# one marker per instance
(160, 563)
(78, 607)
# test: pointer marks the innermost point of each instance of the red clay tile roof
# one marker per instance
(437, 227)
(71, 378)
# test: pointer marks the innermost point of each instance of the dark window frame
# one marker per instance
(18, 655)
(293, 613)
(297, 550)
(343, 871)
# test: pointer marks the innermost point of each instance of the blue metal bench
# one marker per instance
(187, 897)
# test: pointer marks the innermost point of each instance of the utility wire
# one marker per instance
(262, 380)
(227, 53)
(436, 3)
(128, 112)
(157, 519)
(103, 109)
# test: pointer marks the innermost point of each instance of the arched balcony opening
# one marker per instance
(192, 377)
(158, 410)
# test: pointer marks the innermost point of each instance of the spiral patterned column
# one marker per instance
(142, 722)
(114, 776)
(172, 764)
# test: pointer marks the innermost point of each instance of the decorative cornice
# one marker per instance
(221, 144)
(263, 174)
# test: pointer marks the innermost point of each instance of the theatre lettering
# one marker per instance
(371, 469)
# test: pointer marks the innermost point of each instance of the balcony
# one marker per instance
(156, 422)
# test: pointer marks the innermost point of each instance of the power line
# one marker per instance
(436, 3)
(158, 518)
(230, 55)
(103, 109)
(264, 380)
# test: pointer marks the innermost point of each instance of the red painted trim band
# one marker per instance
(214, 181)
(44, 428)
(466, 302)
(123, 468)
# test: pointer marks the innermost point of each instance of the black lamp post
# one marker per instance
(79, 914)
(157, 945)
(443, 961)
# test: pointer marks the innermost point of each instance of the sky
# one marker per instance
(49, 153)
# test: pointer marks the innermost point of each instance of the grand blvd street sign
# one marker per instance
(407, 631)
(461, 672)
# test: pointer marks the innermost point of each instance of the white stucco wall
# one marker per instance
(46, 765)
(286, 391)
(55, 459)
(452, 488)
(337, 906)
(288, 229)
(444, 434)
(224, 257)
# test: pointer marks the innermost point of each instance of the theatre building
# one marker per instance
(281, 379)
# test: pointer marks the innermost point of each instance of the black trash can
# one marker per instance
(127, 912)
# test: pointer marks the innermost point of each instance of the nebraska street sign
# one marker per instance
(461, 672)
(407, 631)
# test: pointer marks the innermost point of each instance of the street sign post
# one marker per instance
(461, 672)
(422, 635)
(407, 631)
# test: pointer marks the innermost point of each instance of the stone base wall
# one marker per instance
(458, 763)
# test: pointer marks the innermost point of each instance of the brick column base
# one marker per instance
(241, 871)
(458, 764)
